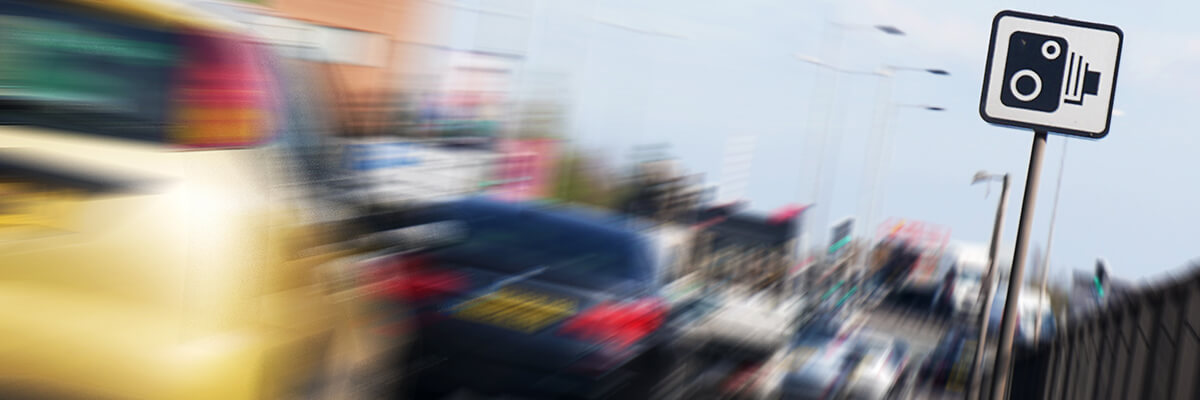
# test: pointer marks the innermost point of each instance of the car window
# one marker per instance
(570, 251)
(64, 68)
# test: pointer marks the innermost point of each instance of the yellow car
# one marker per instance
(157, 238)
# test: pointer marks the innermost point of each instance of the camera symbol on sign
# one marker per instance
(1040, 74)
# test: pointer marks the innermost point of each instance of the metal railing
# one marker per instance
(1144, 345)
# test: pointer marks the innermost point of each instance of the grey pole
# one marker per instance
(1016, 278)
(820, 217)
(1037, 326)
(870, 182)
(987, 292)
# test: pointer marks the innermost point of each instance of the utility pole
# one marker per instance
(987, 293)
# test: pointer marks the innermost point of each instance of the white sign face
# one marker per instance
(1051, 74)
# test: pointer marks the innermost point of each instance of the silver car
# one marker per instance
(861, 366)
(881, 369)
(819, 373)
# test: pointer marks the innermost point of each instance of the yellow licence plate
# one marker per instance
(515, 309)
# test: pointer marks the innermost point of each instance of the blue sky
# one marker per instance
(693, 73)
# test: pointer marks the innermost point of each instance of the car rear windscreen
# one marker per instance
(563, 249)
(66, 67)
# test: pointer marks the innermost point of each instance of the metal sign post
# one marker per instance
(1008, 325)
(1048, 74)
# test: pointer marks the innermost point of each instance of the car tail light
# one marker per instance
(410, 278)
(223, 93)
(620, 324)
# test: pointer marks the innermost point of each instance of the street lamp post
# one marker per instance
(872, 183)
(882, 117)
(833, 36)
(884, 139)
(985, 287)
(882, 121)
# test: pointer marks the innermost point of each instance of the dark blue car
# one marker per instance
(520, 299)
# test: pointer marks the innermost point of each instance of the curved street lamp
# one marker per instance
(986, 293)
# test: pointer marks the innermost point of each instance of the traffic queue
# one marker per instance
(540, 301)
(192, 227)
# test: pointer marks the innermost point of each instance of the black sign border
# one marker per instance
(1056, 20)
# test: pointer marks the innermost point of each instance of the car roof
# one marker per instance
(571, 216)
(166, 13)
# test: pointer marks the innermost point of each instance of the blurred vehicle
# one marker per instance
(819, 376)
(738, 337)
(949, 365)
(155, 209)
(882, 370)
(913, 297)
(857, 365)
(967, 263)
(818, 331)
(899, 260)
(1033, 304)
(965, 299)
(529, 301)
(943, 298)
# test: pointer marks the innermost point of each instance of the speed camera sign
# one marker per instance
(1051, 74)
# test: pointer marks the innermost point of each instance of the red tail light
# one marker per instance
(411, 279)
(620, 324)
(223, 93)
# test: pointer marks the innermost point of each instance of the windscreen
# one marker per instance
(561, 249)
(65, 67)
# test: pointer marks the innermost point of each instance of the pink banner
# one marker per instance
(525, 169)
(931, 239)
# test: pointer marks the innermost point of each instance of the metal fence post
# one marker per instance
(1138, 345)
(1153, 330)
(1130, 341)
(1057, 367)
(1189, 368)
(1069, 362)
(1103, 349)
(1165, 355)
(1175, 385)
(1117, 347)
(1087, 371)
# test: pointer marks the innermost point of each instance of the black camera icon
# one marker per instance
(1040, 74)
